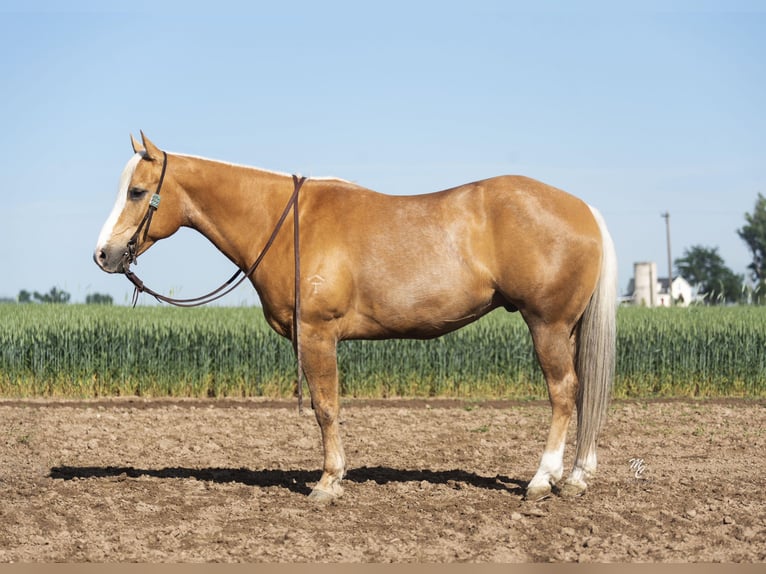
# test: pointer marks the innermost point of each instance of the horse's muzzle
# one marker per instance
(109, 260)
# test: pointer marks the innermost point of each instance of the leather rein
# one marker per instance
(131, 256)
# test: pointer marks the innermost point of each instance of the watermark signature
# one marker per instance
(638, 467)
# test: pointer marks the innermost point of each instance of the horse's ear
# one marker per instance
(152, 151)
(137, 147)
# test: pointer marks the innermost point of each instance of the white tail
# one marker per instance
(595, 361)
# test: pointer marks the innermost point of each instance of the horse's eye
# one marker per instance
(136, 193)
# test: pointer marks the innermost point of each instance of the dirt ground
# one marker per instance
(429, 481)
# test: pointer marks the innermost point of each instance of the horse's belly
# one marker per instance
(418, 312)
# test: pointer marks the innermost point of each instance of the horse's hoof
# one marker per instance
(536, 493)
(573, 488)
(323, 496)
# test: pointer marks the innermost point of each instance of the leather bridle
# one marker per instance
(131, 255)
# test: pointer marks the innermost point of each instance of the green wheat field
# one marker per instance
(88, 351)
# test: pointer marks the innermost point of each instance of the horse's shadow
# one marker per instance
(295, 480)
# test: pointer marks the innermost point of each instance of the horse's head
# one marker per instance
(131, 229)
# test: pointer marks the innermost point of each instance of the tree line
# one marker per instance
(56, 295)
(716, 283)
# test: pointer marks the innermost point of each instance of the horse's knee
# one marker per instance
(325, 414)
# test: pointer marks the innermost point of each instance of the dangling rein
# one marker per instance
(130, 256)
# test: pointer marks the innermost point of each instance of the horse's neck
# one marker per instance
(235, 207)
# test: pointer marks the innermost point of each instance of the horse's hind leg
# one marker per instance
(554, 345)
(320, 363)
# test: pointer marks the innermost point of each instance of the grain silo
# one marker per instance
(645, 286)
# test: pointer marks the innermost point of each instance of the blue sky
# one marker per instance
(651, 107)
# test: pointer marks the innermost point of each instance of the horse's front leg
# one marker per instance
(320, 364)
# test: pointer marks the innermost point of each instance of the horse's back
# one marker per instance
(503, 224)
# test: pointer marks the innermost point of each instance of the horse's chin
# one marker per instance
(116, 271)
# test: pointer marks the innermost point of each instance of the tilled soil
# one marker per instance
(428, 481)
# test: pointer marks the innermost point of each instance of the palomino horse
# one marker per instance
(376, 266)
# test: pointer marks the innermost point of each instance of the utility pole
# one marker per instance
(666, 216)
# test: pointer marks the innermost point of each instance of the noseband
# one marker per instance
(131, 256)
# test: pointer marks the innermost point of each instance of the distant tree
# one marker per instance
(24, 296)
(99, 299)
(55, 295)
(705, 268)
(754, 234)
